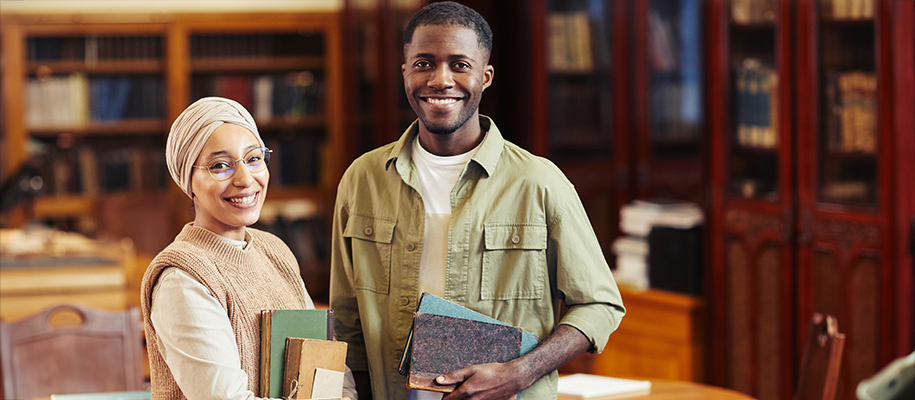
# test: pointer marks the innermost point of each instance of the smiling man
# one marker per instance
(455, 210)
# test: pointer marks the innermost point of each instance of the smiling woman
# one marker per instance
(202, 296)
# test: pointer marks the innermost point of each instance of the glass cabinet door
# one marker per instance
(579, 80)
(754, 79)
(847, 138)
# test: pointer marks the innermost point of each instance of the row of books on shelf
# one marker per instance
(77, 100)
(95, 48)
(851, 112)
(752, 11)
(280, 95)
(569, 42)
(90, 170)
(756, 105)
(255, 45)
(848, 9)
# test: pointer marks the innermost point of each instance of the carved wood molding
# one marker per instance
(753, 224)
(845, 235)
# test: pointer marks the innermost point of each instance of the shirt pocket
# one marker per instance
(514, 261)
(371, 248)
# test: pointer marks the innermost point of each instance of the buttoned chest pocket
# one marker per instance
(371, 248)
(514, 261)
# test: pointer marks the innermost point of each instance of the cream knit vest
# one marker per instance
(265, 276)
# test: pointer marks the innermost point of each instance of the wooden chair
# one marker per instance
(822, 359)
(95, 351)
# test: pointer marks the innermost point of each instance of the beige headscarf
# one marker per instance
(193, 128)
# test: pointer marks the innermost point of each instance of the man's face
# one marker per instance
(444, 75)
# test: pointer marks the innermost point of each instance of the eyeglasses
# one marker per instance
(222, 168)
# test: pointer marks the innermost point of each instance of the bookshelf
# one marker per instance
(804, 186)
(89, 99)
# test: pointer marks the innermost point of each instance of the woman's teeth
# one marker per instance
(243, 200)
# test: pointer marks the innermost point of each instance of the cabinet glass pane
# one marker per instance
(580, 87)
(675, 77)
(848, 139)
(753, 142)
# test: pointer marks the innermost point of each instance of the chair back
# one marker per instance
(96, 351)
(822, 359)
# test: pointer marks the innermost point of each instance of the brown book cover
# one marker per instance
(442, 344)
(276, 326)
(303, 358)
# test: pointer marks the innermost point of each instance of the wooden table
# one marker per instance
(683, 390)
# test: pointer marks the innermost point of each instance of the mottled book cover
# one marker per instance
(442, 344)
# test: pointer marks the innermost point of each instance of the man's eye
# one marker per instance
(423, 64)
(461, 65)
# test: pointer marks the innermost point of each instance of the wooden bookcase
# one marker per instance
(96, 94)
(809, 212)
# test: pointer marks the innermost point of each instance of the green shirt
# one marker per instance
(519, 242)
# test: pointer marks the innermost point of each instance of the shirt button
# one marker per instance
(516, 239)
(369, 231)
(410, 247)
(404, 301)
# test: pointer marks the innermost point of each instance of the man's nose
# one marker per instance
(441, 78)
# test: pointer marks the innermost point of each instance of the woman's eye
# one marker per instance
(219, 166)
(253, 160)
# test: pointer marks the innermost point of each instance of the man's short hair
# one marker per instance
(448, 13)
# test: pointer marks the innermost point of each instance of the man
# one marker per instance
(455, 210)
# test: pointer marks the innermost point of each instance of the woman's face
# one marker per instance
(226, 207)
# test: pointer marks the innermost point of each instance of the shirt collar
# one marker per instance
(487, 156)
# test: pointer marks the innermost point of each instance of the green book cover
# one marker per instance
(276, 326)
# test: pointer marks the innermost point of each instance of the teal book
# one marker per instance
(276, 326)
(432, 304)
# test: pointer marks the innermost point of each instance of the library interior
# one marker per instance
(748, 166)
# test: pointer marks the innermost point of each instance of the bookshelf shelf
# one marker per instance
(123, 127)
(100, 67)
(256, 64)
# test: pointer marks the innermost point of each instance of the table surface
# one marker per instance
(682, 390)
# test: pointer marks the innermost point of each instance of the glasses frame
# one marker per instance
(266, 151)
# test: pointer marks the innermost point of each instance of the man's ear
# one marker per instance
(488, 74)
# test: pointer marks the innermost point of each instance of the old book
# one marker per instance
(594, 387)
(276, 326)
(304, 358)
(432, 304)
(442, 344)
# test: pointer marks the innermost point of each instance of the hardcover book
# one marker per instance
(432, 304)
(442, 344)
(306, 358)
(276, 326)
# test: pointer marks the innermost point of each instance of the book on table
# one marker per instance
(276, 326)
(595, 387)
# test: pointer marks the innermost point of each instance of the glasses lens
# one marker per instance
(257, 159)
(221, 167)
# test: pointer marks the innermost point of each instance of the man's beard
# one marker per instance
(447, 129)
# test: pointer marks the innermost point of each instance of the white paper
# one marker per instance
(585, 385)
(328, 384)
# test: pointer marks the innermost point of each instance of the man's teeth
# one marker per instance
(441, 101)
(243, 200)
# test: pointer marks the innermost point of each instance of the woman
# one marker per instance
(202, 295)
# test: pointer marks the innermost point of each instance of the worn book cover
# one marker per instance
(276, 326)
(304, 357)
(432, 304)
(442, 344)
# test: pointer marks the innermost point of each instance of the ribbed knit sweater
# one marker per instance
(264, 276)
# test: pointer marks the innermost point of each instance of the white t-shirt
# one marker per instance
(437, 176)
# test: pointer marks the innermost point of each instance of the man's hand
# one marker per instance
(486, 381)
(506, 380)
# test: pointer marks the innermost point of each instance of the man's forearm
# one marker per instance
(562, 346)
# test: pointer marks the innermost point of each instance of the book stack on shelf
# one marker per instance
(851, 112)
(289, 95)
(569, 39)
(756, 99)
(752, 11)
(848, 9)
(661, 248)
